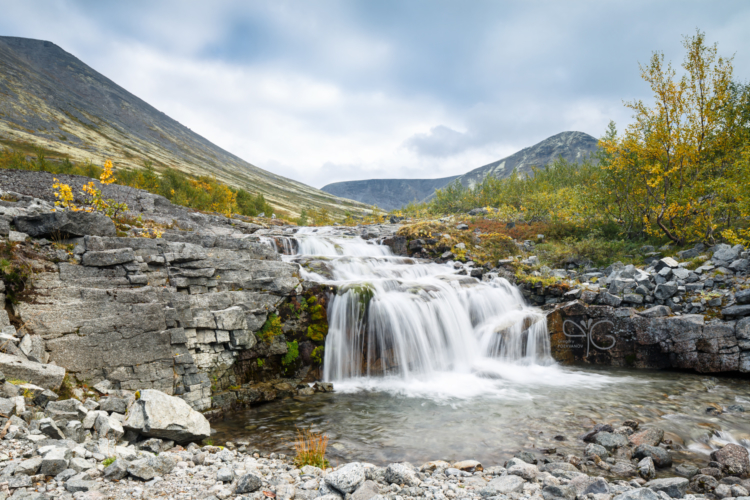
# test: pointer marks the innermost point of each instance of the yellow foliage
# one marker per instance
(64, 195)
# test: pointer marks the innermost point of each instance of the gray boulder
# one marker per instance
(140, 469)
(553, 492)
(665, 290)
(116, 470)
(248, 483)
(366, 491)
(595, 449)
(646, 468)
(638, 494)
(731, 312)
(55, 461)
(660, 456)
(347, 478)
(156, 414)
(733, 458)
(65, 224)
(401, 474)
(675, 487)
(502, 485)
(46, 376)
(610, 440)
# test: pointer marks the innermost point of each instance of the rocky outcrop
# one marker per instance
(388, 194)
(607, 335)
(208, 312)
(44, 375)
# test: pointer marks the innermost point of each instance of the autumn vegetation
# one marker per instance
(201, 193)
(678, 175)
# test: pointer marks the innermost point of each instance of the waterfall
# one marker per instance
(396, 316)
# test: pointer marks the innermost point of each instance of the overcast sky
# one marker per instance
(324, 91)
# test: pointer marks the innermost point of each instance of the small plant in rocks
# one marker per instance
(311, 449)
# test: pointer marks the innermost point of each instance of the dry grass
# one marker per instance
(311, 449)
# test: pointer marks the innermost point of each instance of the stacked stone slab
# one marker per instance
(158, 313)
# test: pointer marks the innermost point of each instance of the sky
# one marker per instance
(323, 91)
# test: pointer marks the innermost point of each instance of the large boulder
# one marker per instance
(156, 414)
(347, 478)
(733, 458)
(65, 224)
(47, 376)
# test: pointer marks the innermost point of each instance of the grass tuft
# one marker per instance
(311, 449)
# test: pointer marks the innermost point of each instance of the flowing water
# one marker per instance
(428, 363)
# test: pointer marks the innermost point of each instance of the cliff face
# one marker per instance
(49, 98)
(388, 194)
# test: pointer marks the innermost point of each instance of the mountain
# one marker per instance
(572, 146)
(388, 194)
(394, 193)
(50, 99)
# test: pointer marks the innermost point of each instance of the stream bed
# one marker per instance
(386, 420)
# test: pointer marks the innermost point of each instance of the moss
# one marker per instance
(108, 461)
(292, 353)
(16, 381)
(66, 388)
(271, 328)
(317, 332)
(317, 354)
(261, 362)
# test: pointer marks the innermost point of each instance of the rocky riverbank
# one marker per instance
(120, 444)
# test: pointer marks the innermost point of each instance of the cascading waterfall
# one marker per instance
(395, 316)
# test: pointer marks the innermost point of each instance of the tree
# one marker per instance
(676, 163)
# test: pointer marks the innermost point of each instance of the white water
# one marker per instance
(421, 329)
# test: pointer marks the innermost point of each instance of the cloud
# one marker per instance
(338, 90)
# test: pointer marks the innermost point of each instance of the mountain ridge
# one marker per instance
(388, 194)
(50, 98)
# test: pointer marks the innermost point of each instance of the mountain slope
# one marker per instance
(49, 98)
(572, 146)
(388, 194)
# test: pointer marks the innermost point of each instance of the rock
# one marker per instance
(106, 258)
(156, 414)
(29, 467)
(140, 469)
(347, 479)
(638, 494)
(728, 312)
(81, 482)
(526, 456)
(703, 483)
(55, 461)
(248, 483)
(225, 475)
(113, 404)
(666, 262)
(502, 485)
(527, 471)
(109, 427)
(401, 473)
(116, 470)
(733, 458)
(623, 468)
(686, 470)
(48, 427)
(610, 441)
(468, 466)
(650, 437)
(46, 376)
(725, 253)
(609, 299)
(17, 237)
(743, 296)
(366, 491)
(675, 487)
(593, 449)
(553, 492)
(597, 486)
(660, 456)
(665, 291)
(646, 468)
(66, 224)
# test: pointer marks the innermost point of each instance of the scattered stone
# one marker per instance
(675, 487)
